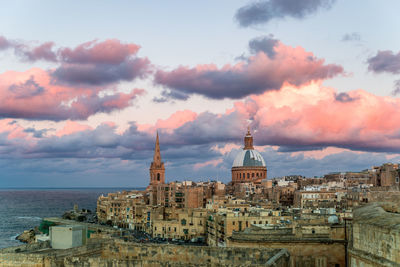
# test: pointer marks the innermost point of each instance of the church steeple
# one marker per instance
(248, 140)
(157, 154)
(157, 170)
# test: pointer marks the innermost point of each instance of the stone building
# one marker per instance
(386, 175)
(249, 165)
(221, 225)
(183, 224)
(185, 194)
(119, 208)
(316, 199)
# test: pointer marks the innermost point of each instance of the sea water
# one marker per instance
(23, 209)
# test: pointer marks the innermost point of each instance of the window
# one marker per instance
(240, 175)
(252, 175)
(183, 222)
(158, 177)
(233, 223)
(155, 228)
(321, 262)
(248, 175)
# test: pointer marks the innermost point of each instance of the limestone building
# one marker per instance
(249, 165)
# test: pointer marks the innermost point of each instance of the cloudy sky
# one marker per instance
(85, 85)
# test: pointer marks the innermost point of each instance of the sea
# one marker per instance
(24, 208)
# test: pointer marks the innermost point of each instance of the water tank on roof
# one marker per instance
(333, 219)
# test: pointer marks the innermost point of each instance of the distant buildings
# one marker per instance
(308, 217)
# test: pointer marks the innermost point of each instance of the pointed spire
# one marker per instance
(157, 154)
(157, 169)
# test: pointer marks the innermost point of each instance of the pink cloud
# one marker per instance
(173, 122)
(71, 127)
(32, 95)
(255, 74)
(320, 154)
(213, 162)
(225, 148)
(312, 116)
(176, 120)
(94, 63)
(12, 129)
(110, 51)
(40, 52)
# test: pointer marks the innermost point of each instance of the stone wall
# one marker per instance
(192, 255)
(41, 255)
(376, 236)
(118, 253)
(304, 254)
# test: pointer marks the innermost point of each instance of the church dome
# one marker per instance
(249, 158)
(249, 165)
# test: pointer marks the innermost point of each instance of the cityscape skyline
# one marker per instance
(81, 99)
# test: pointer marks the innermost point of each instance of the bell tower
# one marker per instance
(157, 170)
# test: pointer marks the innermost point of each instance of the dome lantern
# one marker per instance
(248, 140)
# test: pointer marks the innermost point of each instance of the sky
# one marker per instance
(85, 86)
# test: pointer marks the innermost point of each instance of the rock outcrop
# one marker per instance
(27, 236)
(83, 215)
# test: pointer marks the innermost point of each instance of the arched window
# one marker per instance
(240, 175)
(158, 176)
(248, 175)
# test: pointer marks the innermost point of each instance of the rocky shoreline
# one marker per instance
(83, 215)
(29, 236)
